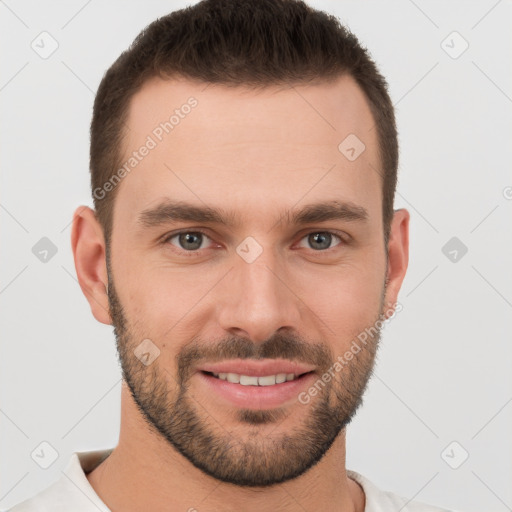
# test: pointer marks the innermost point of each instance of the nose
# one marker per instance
(258, 299)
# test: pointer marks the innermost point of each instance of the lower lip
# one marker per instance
(258, 397)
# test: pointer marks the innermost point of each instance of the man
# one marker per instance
(243, 162)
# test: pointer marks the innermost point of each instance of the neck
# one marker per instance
(144, 472)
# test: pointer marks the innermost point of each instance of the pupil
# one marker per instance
(187, 238)
(323, 238)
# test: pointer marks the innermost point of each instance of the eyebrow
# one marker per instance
(175, 211)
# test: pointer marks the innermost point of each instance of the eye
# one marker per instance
(321, 240)
(192, 242)
(189, 241)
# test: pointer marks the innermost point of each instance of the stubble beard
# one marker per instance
(167, 404)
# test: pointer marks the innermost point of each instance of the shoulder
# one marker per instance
(385, 501)
(71, 491)
(44, 501)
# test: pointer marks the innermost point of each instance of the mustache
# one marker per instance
(279, 346)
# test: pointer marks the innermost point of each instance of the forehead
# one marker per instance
(254, 150)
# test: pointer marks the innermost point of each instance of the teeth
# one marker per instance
(269, 380)
(249, 380)
(233, 377)
(246, 380)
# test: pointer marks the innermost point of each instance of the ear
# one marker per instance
(88, 244)
(398, 257)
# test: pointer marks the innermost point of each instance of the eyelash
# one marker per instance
(165, 241)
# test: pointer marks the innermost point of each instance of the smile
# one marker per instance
(251, 380)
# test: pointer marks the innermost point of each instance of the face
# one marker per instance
(247, 255)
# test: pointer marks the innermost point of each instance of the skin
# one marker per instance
(258, 154)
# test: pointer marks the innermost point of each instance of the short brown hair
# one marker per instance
(237, 42)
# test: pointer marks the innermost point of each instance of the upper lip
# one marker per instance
(258, 368)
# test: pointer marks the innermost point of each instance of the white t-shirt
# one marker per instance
(73, 492)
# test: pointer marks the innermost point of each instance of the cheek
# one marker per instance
(168, 305)
(172, 306)
(347, 301)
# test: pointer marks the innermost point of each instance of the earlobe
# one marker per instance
(88, 245)
(398, 256)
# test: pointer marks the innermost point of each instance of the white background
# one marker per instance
(444, 369)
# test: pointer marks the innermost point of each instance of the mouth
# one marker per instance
(251, 384)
